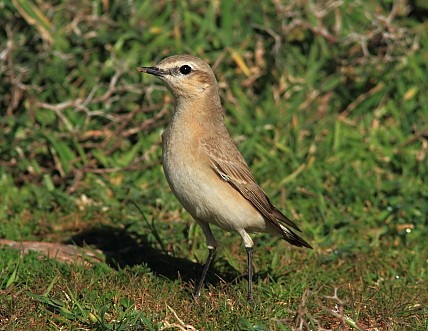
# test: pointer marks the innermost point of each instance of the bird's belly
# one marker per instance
(208, 198)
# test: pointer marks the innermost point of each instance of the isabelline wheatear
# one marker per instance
(204, 168)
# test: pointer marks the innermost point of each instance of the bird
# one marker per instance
(205, 170)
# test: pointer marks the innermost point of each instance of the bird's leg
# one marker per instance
(250, 273)
(212, 247)
(211, 254)
(248, 242)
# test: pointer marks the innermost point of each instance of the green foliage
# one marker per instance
(327, 102)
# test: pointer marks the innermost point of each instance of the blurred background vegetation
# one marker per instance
(328, 103)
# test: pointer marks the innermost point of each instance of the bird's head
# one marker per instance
(185, 75)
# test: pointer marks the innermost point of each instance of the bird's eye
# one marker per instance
(185, 70)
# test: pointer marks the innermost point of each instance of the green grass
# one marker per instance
(327, 103)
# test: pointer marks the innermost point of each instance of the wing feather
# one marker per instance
(235, 171)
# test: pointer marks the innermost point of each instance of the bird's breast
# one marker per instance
(182, 166)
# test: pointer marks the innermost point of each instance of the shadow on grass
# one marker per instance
(123, 248)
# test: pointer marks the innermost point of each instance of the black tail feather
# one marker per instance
(295, 240)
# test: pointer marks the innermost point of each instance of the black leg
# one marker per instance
(211, 254)
(250, 273)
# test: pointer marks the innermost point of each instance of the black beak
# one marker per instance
(152, 71)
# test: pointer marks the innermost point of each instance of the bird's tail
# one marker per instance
(285, 224)
(293, 238)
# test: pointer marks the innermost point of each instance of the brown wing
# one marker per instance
(234, 170)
